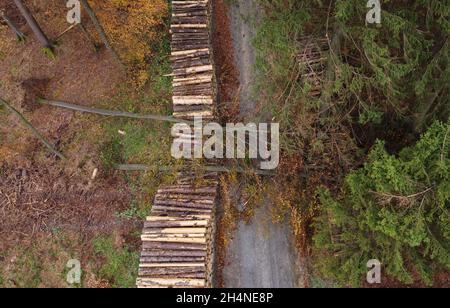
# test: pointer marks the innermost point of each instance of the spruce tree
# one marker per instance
(394, 209)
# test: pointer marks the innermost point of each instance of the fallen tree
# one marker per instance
(33, 130)
(111, 113)
(20, 35)
(32, 23)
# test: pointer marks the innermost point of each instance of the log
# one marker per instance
(168, 218)
(180, 231)
(101, 32)
(148, 235)
(172, 209)
(173, 253)
(19, 34)
(173, 246)
(171, 259)
(153, 265)
(146, 238)
(31, 21)
(145, 273)
(184, 204)
(35, 132)
(174, 224)
(109, 112)
(171, 282)
(206, 199)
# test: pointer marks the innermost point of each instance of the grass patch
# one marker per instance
(137, 141)
(319, 283)
(43, 263)
(110, 152)
(120, 265)
(27, 270)
(40, 264)
(136, 210)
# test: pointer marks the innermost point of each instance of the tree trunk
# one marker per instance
(88, 36)
(40, 35)
(20, 35)
(99, 28)
(32, 129)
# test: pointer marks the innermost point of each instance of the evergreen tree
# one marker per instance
(401, 64)
(394, 209)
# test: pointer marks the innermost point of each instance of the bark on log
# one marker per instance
(110, 112)
(20, 35)
(98, 26)
(35, 132)
(32, 23)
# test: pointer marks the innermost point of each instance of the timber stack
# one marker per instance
(193, 86)
(177, 239)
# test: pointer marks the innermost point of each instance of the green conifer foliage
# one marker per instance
(387, 81)
(401, 64)
(394, 209)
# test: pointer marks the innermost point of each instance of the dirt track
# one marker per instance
(261, 253)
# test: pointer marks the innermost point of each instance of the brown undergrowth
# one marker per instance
(53, 210)
(228, 85)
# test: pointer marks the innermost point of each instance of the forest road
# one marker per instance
(261, 253)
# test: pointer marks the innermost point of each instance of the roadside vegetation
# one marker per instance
(365, 161)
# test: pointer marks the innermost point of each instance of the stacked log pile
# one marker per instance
(191, 60)
(177, 239)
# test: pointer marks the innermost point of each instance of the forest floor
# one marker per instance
(52, 211)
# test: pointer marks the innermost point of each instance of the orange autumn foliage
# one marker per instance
(132, 26)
